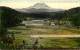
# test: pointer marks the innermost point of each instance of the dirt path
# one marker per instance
(36, 36)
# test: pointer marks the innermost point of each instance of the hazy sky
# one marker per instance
(63, 4)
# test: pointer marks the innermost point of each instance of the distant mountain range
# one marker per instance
(39, 7)
(40, 11)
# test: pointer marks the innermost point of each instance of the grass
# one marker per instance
(47, 30)
(22, 33)
(57, 43)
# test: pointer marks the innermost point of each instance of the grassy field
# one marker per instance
(44, 30)
(23, 33)
(57, 43)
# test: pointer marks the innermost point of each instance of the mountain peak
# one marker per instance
(40, 6)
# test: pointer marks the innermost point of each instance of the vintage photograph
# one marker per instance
(39, 24)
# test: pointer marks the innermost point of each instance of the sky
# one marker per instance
(62, 4)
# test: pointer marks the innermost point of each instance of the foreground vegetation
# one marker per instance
(23, 34)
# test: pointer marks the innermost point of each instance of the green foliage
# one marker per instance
(9, 17)
(76, 20)
(72, 15)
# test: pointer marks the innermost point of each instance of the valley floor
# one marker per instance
(47, 37)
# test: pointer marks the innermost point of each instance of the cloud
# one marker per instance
(40, 1)
(53, 0)
(28, 3)
(16, 4)
(63, 5)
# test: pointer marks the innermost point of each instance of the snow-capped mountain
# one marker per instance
(39, 7)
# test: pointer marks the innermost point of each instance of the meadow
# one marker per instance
(22, 33)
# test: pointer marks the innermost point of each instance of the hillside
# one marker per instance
(9, 17)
